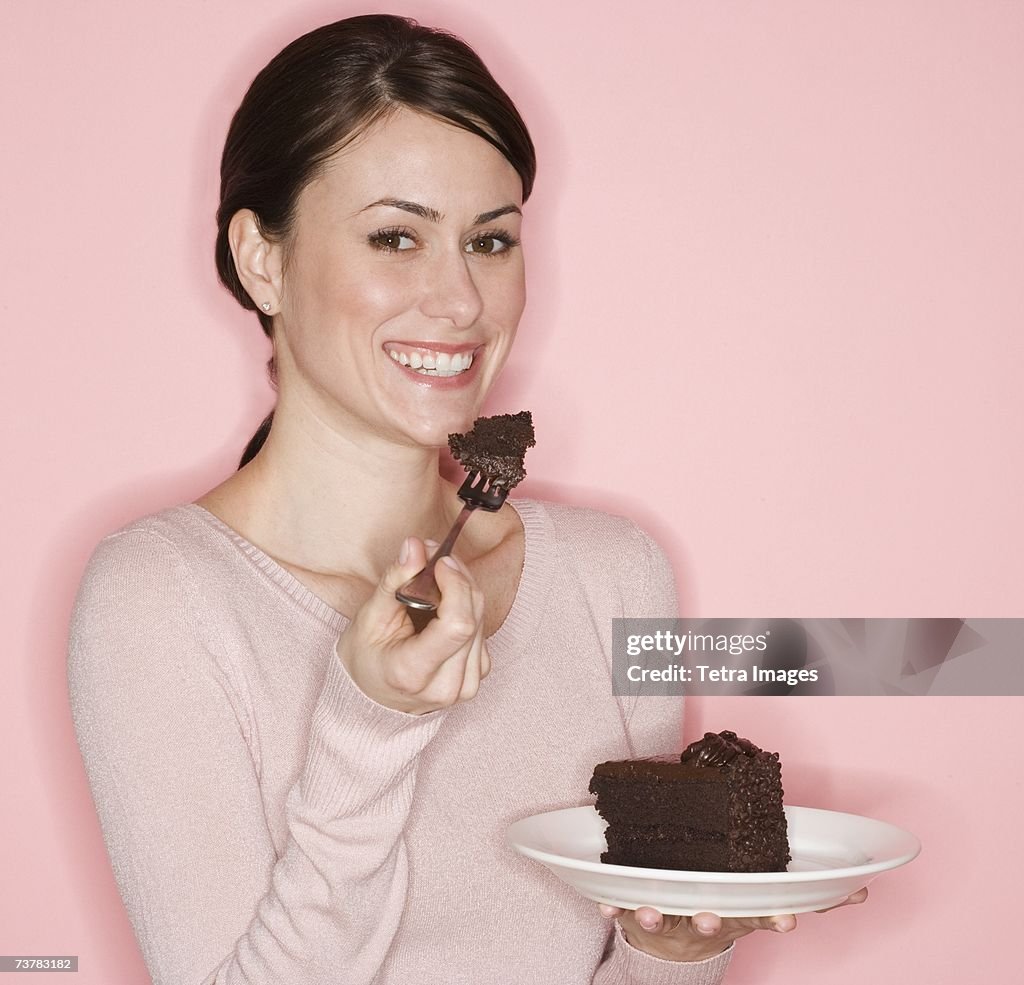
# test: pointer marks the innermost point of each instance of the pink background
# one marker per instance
(775, 262)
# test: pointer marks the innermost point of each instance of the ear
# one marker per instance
(258, 260)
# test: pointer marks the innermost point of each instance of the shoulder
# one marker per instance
(136, 614)
(592, 533)
(610, 554)
(158, 544)
(177, 525)
(148, 571)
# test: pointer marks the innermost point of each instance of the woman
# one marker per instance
(293, 785)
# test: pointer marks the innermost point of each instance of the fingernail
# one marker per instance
(403, 554)
(781, 925)
(648, 924)
(704, 926)
(605, 910)
(451, 562)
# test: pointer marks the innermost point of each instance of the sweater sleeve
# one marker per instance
(162, 735)
(626, 965)
(653, 726)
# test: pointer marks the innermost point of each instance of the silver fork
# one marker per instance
(479, 491)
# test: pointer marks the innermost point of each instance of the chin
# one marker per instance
(429, 426)
(434, 433)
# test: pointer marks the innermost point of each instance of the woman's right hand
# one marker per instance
(418, 672)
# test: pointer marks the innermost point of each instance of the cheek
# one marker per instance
(379, 295)
(354, 296)
(515, 299)
(505, 297)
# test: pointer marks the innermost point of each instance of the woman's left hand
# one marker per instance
(701, 936)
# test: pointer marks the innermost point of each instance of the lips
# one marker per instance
(430, 361)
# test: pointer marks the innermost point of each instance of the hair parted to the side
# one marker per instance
(326, 88)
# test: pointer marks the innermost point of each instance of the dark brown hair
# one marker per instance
(326, 88)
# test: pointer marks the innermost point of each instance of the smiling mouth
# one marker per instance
(429, 362)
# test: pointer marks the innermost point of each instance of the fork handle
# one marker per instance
(421, 591)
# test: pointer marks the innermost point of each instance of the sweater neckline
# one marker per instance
(519, 623)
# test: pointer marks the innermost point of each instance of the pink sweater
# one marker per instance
(269, 823)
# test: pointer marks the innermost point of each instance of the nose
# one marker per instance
(450, 291)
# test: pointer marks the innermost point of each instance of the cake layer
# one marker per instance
(694, 855)
(617, 837)
(661, 849)
(677, 847)
(697, 804)
(656, 770)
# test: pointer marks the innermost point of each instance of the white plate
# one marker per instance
(833, 855)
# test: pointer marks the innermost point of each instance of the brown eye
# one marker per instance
(488, 245)
(392, 240)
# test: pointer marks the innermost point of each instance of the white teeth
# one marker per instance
(428, 363)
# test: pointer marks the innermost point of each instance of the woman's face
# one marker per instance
(404, 282)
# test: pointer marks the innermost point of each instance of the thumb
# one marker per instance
(382, 609)
(411, 560)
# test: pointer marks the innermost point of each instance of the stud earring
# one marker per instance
(265, 306)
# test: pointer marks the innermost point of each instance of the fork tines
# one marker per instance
(481, 491)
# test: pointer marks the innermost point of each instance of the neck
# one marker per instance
(338, 503)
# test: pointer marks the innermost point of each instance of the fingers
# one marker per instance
(706, 924)
(462, 611)
(462, 603)
(652, 920)
(701, 925)
(475, 670)
(857, 897)
(446, 662)
(712, 925)
(676, 938)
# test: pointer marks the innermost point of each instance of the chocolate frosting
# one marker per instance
(720, 749)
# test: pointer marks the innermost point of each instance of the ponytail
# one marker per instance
(256, 441)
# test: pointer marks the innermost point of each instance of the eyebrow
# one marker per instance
(425, 212)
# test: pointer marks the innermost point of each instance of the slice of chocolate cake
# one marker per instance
(718, 808)
(496, 447)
